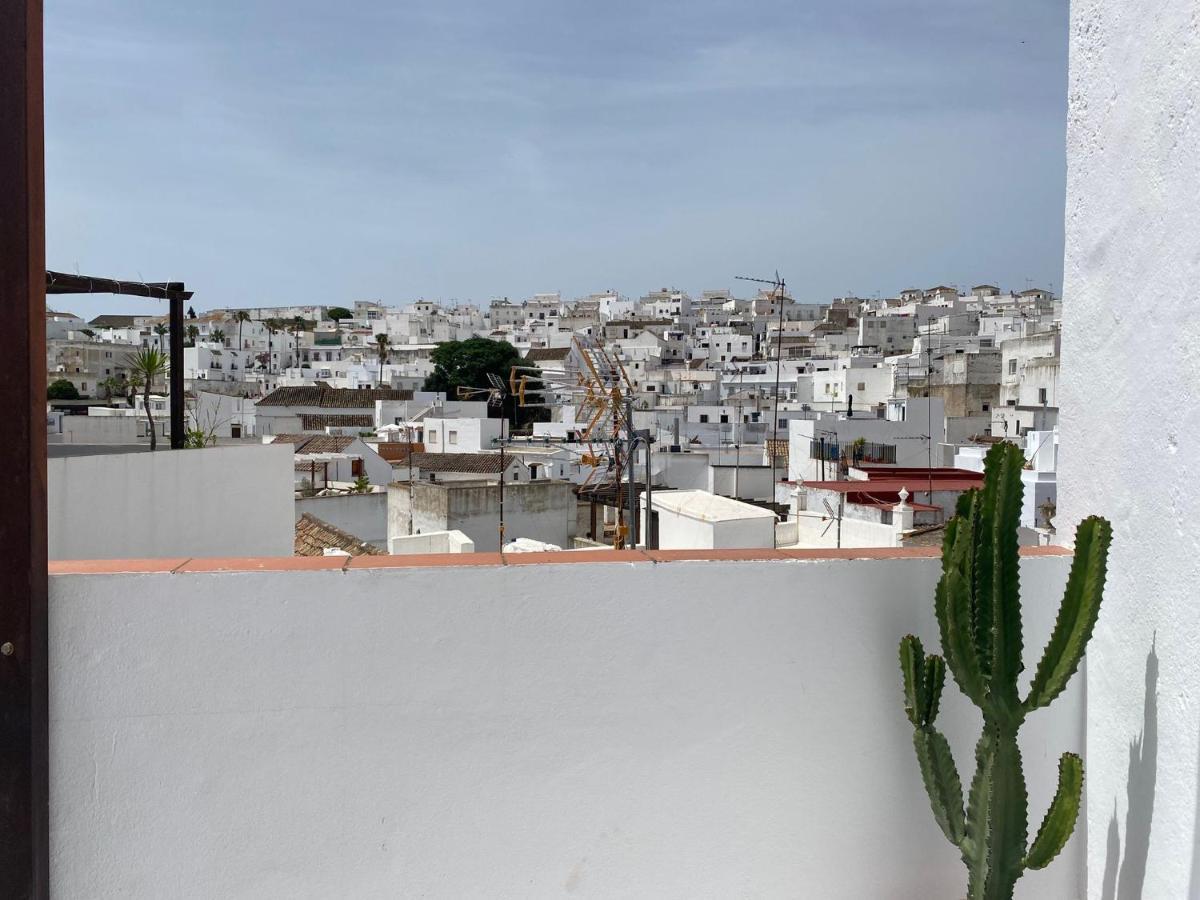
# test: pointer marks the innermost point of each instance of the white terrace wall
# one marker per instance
(1130, 430)
(219, 501)
(675, 730)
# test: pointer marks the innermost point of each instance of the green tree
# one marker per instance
(161, 330)
(337, 313)
(110, 387)
(192, 332)
(62, 390)
(218, 335)
(468, 363)
(146, 365)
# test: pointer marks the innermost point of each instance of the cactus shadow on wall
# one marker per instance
(1125, 876)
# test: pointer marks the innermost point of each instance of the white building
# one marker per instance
(698, 520)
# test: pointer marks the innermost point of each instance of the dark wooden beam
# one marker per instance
(24, 757)
(176, 374)
(64, 283)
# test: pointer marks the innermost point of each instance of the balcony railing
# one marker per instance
(853, 452)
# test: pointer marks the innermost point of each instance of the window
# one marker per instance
(433, 437)
(862, 386)
(1012, 367)
(987, 407)
(1042, 395)
(724, 418)
(452, 437)
(703, 416)
(356, 467)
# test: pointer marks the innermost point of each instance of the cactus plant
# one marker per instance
(978, 609)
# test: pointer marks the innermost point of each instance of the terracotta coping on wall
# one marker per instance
(447, 560)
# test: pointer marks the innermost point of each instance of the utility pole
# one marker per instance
(778, 286)
(631, 444)
(503, 467)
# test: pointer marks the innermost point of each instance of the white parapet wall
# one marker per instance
(431, 542)
(709, 729)
(219, 501)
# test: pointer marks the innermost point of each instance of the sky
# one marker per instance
(269, 152)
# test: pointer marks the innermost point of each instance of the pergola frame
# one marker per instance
(174, 291)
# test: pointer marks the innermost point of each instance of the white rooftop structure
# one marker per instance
(706, 507)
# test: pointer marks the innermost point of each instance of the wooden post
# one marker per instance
(24, 768)
(178, 431)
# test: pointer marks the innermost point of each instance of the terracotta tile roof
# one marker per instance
(779, 448)
(321, 421)
(332, 398)
(314, 535)
(483, 463)
(314, 443)
(397, 451)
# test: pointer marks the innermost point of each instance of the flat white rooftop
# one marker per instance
(708, 507)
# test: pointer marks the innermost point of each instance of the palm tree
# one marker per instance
(218, 335)
(381, 347)
(161, 330)
(192, 333)
(272, 325)
(298, 326)
(146, 365)
(241, 316)
(108, 387)
(133, 384)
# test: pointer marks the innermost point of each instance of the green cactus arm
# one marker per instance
(1060, 818)
(912, 667)
(952, 607)
(993, 845)
(976, 560)
(935, 680)
(1077, 614)
(942, 783)
(999, 564)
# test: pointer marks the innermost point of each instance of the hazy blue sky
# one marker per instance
(272, 152)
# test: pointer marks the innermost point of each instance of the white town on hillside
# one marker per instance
(669, 422)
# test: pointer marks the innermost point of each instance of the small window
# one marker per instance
(356, 467)
(703, 416)
(1042, 396)
(1012, 367)
(862, 386)
(724, 418)
(433, 437)
(452, 437)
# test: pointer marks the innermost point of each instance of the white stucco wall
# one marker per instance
(1130, 430)
(679, 730)
(362, 515)
(219, 501)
